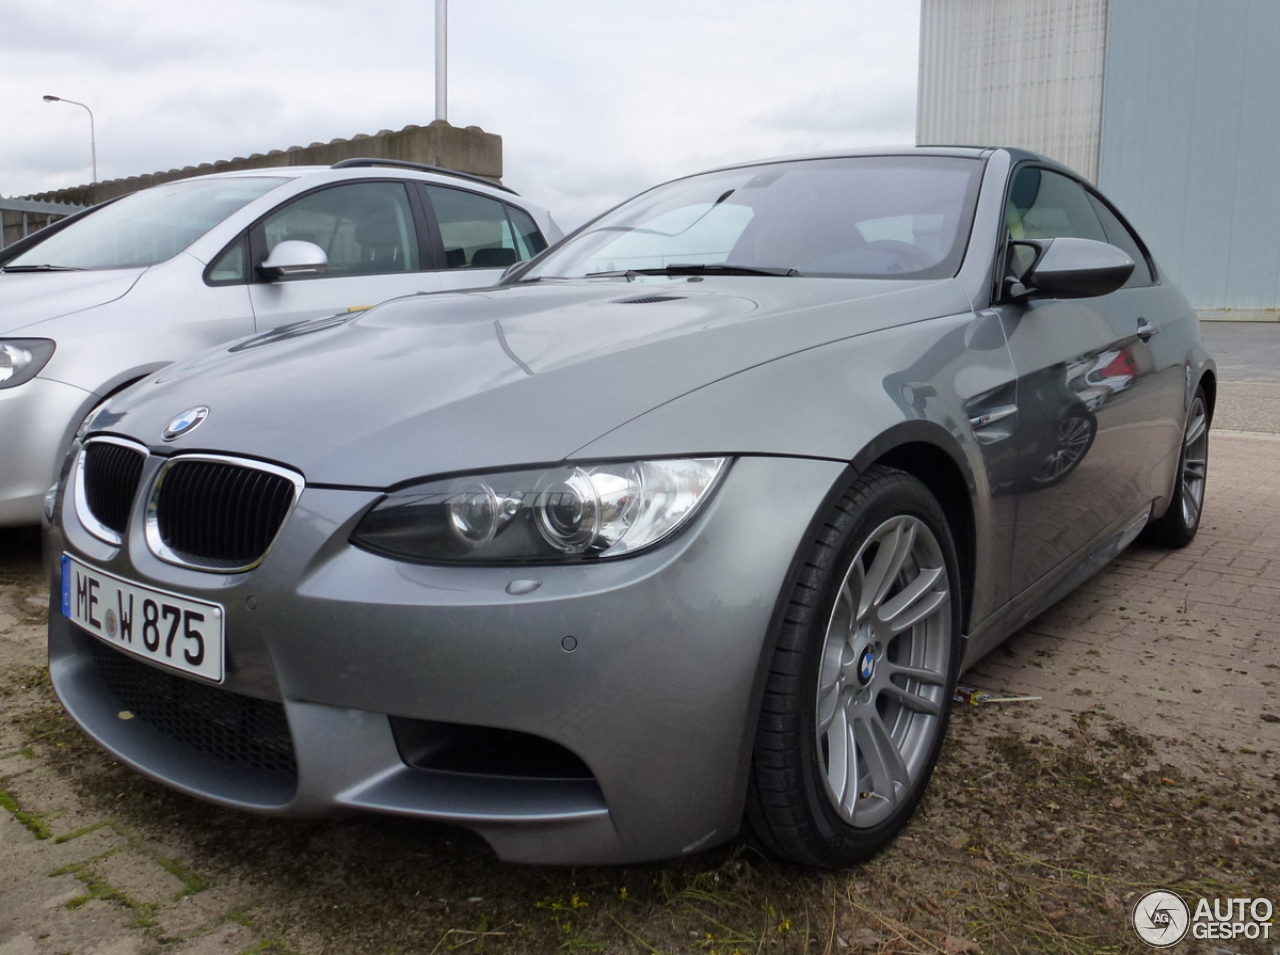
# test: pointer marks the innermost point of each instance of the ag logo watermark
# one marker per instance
(1161, 918)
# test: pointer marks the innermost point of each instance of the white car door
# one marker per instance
(370, 235)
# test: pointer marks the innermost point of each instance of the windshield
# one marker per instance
(146, 227)
(865, 217)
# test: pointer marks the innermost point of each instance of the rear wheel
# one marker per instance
(1178, 526)
(861, 681)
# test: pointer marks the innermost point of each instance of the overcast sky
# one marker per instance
(595, 99)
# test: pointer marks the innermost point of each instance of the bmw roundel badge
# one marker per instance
(184, 423)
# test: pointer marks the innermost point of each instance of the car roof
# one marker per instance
(959, 151)
(362, 168)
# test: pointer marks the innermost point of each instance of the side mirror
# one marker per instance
(294, 257)
(1073, 268)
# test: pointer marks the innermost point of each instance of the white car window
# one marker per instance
(365, 228)
(146, 227)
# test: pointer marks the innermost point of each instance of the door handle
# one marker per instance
(1146, 330)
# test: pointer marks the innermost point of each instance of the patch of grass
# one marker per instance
(34, 821)
(98, 888)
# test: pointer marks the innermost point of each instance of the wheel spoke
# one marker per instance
(919, 674)
(883, 761)
(1195, 469)
(842, 761)
(1196, 428)
(1190, 505)
(916, 601)
(895, 548)
(912, 701)
(844, 617)
(828, 701)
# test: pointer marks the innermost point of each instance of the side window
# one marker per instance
(1046, 205)
(529, 238)
(474, 229)
(1119, 235)
(365, 228)
(231, 267)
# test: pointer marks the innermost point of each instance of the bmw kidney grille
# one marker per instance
(218, 513)
(110, 476)
(206, 511)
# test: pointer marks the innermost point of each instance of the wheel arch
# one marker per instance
(1209, 382)
(931, 456)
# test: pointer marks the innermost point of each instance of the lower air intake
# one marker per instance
(234, 728)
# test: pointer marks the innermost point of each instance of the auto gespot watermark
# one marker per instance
(1161, 918)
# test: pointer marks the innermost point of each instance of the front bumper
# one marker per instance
(657, 699)
(35, 419)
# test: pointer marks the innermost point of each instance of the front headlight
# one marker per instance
(549, 514)
(22, 358)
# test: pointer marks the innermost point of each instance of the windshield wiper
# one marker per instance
(39, 268)
(720, 269)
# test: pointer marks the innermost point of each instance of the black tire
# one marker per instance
(1178, 526)
(837, 662)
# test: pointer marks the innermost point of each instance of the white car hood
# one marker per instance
(29, 298)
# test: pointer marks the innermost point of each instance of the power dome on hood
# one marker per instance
(452, 382)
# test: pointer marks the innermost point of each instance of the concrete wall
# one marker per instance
(1191, 140)
(1025, 73)
(468, 149)
(20, 217)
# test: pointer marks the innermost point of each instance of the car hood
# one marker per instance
(515, 375)
(28, 298)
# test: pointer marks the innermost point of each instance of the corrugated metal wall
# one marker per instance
(1191, 142)
(1014, 73)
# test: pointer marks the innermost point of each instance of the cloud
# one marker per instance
(889, 109)
(594, 99)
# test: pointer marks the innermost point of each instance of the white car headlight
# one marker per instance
(22, 358)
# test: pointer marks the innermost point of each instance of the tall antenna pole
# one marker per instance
(442, 60)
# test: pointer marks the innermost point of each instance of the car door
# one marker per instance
(1088, 396)
(479, 236)
(371, 234)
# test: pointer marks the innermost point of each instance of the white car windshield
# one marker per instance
(866, 217)
(146, 227)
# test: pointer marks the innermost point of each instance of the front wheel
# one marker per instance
(860, 685)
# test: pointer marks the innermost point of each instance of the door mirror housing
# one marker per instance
(1069, 267)
(294, 257)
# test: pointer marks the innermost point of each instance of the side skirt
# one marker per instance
(1055, 585)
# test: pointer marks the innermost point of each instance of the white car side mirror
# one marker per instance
(294, 257)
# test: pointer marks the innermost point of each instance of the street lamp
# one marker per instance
(93, 136)
(442, 59)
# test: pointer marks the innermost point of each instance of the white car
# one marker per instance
(97, 301)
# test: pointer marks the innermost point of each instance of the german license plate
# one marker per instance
(158, 626)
